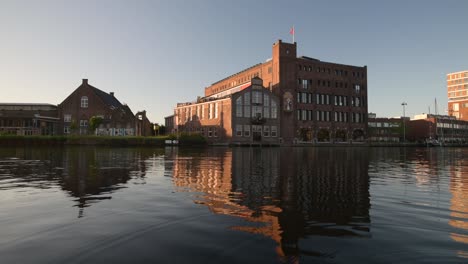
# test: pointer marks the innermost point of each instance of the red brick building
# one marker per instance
(383, 129)
(247, 116)
(457, 91)
(319, 101)
(445, 129)
(86, 102)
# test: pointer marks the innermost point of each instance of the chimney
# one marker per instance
(112, 94)
(85, 81)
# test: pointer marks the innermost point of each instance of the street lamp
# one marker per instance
(404, 125)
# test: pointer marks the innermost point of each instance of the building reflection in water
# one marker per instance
(86, 173)
(459, 200)
(286, 193)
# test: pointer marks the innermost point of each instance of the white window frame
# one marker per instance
(84, 102)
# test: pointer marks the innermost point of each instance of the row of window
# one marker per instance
(245, 107)
(192, 113)
(459, 81)
(337, 72)
(324, 99)
(458, 75)
(266, 131)
(307, 115)
(239, 81)
(306, 84)
(67, 118)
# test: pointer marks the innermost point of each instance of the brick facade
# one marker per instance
(457, 92)
(246, 116)
(319, 101)
(86, 102)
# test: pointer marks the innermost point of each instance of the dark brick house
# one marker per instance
(143, 125)
(88, 101)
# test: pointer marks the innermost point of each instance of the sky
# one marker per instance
(153, 54)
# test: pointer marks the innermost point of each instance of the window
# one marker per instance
(304, 114)
(246, 111)
(273, 131)
(239, 130)
(84, 102)
(256, 111)
(215, 131)
(239, 107)
(247, 98)
(202, 111)
(256, 97)
(266, 100)
(304, 97)
(246, 130)
(266, 112)
(274, 110)
(83, 123)
(66, 130)
(216, 110)
(67, 118)
(210, 112)
(266, 131)
(305, 84)
(210, 132)
(357, 88)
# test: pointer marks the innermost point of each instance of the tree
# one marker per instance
(94, 123)
(73, 127)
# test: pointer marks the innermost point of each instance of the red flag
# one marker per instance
(291, 31)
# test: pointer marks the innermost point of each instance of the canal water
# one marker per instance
(233, 205)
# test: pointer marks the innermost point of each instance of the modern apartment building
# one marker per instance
(457, 91)
(319, 101)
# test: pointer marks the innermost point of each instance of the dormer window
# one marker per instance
(84, 102)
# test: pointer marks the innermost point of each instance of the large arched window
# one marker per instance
(84, 102)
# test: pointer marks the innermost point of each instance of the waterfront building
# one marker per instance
(143, 125)
(169, 124)
(28, 119)
(384, 129)
(443, 128)
(249, 115)
(319, 101)
(457, 91)
(86, 102)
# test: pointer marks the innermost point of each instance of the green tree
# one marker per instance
(94, 123)
(73, 127)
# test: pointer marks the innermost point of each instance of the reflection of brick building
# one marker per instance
(249, 115)
(319, 101)
(457, 91)
(28, 119)
(293, 192)
(459, 203)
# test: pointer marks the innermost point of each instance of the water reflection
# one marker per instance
(86, 173)
(286, 193)
(459, 201)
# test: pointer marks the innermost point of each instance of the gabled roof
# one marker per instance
(106, 98)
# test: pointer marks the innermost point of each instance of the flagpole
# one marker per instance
(294, 33)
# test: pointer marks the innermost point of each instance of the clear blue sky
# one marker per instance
(153, 54)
